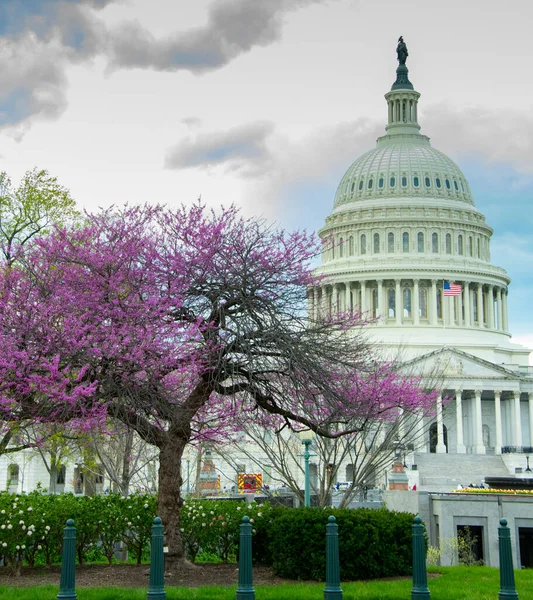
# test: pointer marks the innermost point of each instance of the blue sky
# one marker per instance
(265, 104)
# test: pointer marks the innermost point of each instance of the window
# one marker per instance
(478, 249)
(370, 183)
(448, 243)
(470, 245)
(435, 242)
(13, 475)
(416, 181)
(474, 302)
(376, 243)
(438, 183)
(427, 181)
(375, 302)
(460, 245)
(455, 185)
(404, 181)
(462, 186)
(420, 241)
(405, 241)
(392, 182)
(341, 248)
(61, 473)
(439, 303)
(391, 297)
(350, 245)
(423, 303)
(363, 244)
(361, 185)
(448, 186)
(353, 186)
(406, 296)
(390, 242)
(381, 182)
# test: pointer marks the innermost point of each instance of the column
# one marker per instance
(433, 302)
(416, 303)
(459, 422)
(460, 310)
(348, 298)
(499, 306)
(334, 299)
(530, 407)
(479, 448)
(398, 302)
(310, 303)
(505, 315)
(441, 448)
(490, 302)
(363, 296)
(517, 426)
(498, 415)
(381, 306)
(480, 305)
(467, 302)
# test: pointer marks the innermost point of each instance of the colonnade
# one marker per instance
(415, 302)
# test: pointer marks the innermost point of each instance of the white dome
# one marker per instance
(403, 165)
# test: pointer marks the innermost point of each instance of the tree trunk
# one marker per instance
(169, 499)
(126, 459)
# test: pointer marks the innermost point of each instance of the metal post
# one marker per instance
(245, 589)
(507, 584)
(420, 589)
(67, 582)
(156, 589)
(332, 591)
(307, 454)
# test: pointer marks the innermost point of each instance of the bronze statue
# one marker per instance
(401, 51)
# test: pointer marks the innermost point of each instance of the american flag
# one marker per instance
(452, 289)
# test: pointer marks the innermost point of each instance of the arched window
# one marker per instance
(390, 242)
(470, 248)
(437, 182)
(435, 242)
(423, 303)
(376, 243)
(361, 185)
(350, 245)
(370, 183)
(455, 185)
(391, 301)
(392, 182)
(427, 181)
(406, 297)
(460, 248)
(439, 303)
(420, 241)
(416, 181)
(405, 241)
(448, 243)
(353, 186)
(448, 185)
(375, 302)
(474, 302)
(478, 249)
(381, 182)
(341, 248)
(363, 243)
(332, 248)
(404, 181)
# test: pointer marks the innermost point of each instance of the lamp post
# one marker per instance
(528, 470)
(307, 440)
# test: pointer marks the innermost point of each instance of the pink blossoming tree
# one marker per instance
(176, 322)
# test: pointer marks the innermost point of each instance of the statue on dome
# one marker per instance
(401, 51)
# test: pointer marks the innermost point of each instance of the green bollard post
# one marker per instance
(67, 583)
(156, 589)
(332, 591)
(245, 589)
(420, 589)
(507, 584)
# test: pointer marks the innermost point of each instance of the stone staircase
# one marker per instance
(445, 472)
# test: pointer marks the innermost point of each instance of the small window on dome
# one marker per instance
(435, 242)
(427, 181)
(405, 241)
(370, 183)
(448, 185)
(404, 181)
(392, 181)
(363, 244)
(455, 185)
(361, 185)
(420, 238)
(376, 243)
(381, 182)
(353, 186)
(416, 181)
(462, 186)
(448, 243)
(437, 182)
(390, 242)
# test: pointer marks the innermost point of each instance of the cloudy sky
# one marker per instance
(265, 103)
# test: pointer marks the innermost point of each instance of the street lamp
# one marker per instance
(528, 470)
(307, 440)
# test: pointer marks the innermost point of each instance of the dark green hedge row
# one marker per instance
(372, 543)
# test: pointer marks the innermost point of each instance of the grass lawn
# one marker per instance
(454, 583)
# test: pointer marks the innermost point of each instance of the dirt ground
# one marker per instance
(137, 576)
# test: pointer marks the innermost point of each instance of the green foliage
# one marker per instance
(372, 543)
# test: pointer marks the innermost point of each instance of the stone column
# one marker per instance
(517, 425)
(399, 307)
(441, 448)
(433, 302)
(460, 310)
(363, 297)
(490, 303)
(416, 303)
(498, 417)
(480, 305)
(499, 304)
(459, 422)
(334, 299)
(505, 316)
(381, 306)
(479, 447)
(348, 297)
(468, 321)
(310, 303)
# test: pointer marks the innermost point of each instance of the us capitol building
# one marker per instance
(404, 226)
